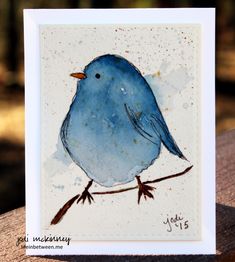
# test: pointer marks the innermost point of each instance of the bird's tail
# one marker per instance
(160, 128)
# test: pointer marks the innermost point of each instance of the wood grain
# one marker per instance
(12, 224)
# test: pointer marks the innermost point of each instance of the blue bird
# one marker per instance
(114, 128)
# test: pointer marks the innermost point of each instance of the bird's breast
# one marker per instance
(102, 140)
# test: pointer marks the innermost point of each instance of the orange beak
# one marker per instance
(78, 75)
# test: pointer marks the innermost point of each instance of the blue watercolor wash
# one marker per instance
(114, 127)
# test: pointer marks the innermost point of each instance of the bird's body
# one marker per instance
(114, 127)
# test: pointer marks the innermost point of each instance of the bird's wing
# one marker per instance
(153, 128)
(137, 124)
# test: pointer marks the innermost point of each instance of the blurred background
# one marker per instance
(12, 78)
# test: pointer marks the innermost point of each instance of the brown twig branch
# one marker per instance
(146, 182)
(59, 215)
(63, 210)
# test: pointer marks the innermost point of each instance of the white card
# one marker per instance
(119, 133)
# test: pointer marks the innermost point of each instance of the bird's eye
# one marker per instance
(97, 76)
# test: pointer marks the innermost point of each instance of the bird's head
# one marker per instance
(107, 71)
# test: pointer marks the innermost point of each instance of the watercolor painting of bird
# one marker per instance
(114, 129)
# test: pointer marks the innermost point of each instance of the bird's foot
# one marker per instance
(86, 194)
(144, 190)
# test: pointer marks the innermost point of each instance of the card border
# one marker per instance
(33, 18)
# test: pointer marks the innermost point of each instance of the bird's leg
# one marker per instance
(144, 190)
(85, 194)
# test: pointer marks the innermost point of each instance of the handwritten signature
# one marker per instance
(176, 221)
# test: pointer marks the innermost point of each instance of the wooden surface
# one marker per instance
(12, 224)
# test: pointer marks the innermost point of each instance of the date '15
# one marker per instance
(176, 221)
